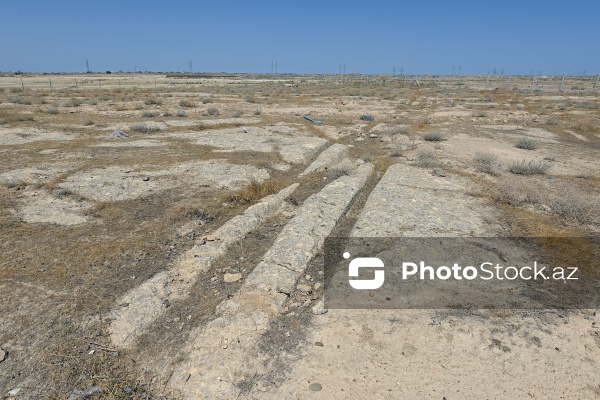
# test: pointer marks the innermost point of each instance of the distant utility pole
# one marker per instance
(394, 71)
(459, 68)
(275, 66)
(190, 67)
(271, 67)
(344, 69)
(596, 84)
(87, 66)
(453, 70)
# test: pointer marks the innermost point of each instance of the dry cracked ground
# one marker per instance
(183, 257)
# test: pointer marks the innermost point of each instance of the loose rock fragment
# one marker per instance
(229, 278)
(315, 387)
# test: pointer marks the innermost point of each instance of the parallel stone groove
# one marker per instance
(225, 350)
(146, 303)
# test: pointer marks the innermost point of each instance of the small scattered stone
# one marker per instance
(439, 172)
(304, 288)
(307, 277)
(3, 355)
(146, 179)
(224, 346)
(315, 387)
(14, 392)
(211, 238)
(372, 135)
(319, 308)
(319, 344)
(229, 278)
(318, 285)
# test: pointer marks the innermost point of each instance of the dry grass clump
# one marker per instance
(488, 163)
(145, 127)
(10, 117)
(531, 167)
(150, 102)
(338, 171)
(186, 103)
(571, 204)
(20, 100)
(87, 122)
(526, 144)
(433, 137)
(213, 111)
(427, 159)
(253, 192)
(149, 114)
(73, 103)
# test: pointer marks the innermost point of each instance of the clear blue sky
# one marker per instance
(302, 36)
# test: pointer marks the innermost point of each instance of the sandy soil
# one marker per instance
(89, 220)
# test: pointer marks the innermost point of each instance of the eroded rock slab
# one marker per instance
(146, 302)
(224, 353)
(410, 201)
(293, 146)
(328, 158)
(119, 183)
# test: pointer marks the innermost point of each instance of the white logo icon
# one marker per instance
(365, 262)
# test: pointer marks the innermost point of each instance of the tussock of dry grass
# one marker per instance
(145, 127)
(531, 167)
(433, 137)
(488, 163)
(254, 191)
(569, 204)
(526, 144)
(426, 159)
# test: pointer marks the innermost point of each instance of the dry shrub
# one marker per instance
(570, 203)
(531, 167)
(427, 159)
(488, 163)
(526, 143)
(253, 192)
(433, 137)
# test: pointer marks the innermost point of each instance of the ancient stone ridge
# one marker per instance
(328, 158)
(147, 302)
(211, 371)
